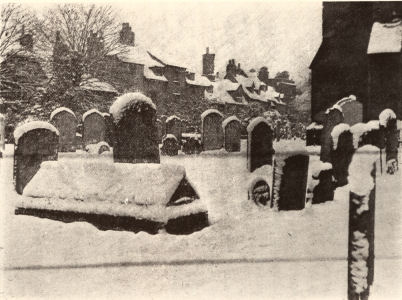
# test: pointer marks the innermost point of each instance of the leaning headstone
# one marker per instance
(324, 190)
(170, 145)
(94, 127)
(211, 130)
(388, 123)
(362, 181)
(232, 134)
(174, 126)
(259, 144)
(334, 116)
(342, 152)
(65, 121)
(290, 179)
(259, 191)
(136, 141)
(109, 128)
(2, 132)
(352, 110)
(34, 142)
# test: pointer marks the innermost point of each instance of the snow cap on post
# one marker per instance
(228, 120)
(358, 130)
(128, 101)
(385, 116)
(337, 131)
(210, 111)
(59, 110)
(26, 127)
(90, 112)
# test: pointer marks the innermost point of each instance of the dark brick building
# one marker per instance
(345, 65)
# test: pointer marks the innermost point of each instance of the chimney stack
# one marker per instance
(208, 63)
(127, 35)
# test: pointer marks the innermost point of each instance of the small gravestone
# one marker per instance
(135, 131)
(174, 126)
(94, 127)
(334, 116)
(388, 123)
(324, 190)
(342, 152)
(259, 191)
(159, 126)
(259, 144)
(34, 142)
(170, 145)
(211, 130)
(290, 180)
(232, 134)
(109, 128)
(66, 123)
(352, 110)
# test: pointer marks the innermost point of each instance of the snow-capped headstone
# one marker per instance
(94, 127)
(352, 110)
(388, 124)
(34, 142)
(259, 144)
(362, 178)
(174, 126)
(334, 116)
(211, 130)
(324, 190)
(170, 145)
(232, 134)
(259, 191)
(290, 179)
(342, 151)
(66, 122)
(135, 135)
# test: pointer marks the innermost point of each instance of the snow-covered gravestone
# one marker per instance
(136, 141)
(65, 121)
(2, 131)
(342, 151)
(259, 144)
(324, 190)
(352, 110)
(232, 134)
(94, 127)
(109, 128)
(211, 130)
(313, 134)
(362, 178)
(388, 124)
(259, 191)
(290, 179)
(334, 116)
(170, 145)
(174, 126)
(34, 142)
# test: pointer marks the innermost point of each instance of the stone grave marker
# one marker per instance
(232, 134)
(94, 127)
(135, 130)
(174, 126)
(259, 144)
(334, 116)
(352, 110)
(211, 130)
(170, 145)
(259, 191)
(66, 122)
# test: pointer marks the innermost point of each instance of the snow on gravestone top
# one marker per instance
(59, 110)
(346, 100)
(127, 102)
(171, 118)
(254, 122)
(285, 150)
(360, 180)
(228, 120)
(90, 112)
(337, 131)
(385, 116)
(359, 129)
(314, 125)
(26, 127)
(210, 111)
(335, 106)
(318, 166)
(168, 137)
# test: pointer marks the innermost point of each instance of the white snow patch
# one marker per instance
(254, 122)
(94, 84)
(59, 110)
(172, 118)
(318, 166)
(24, 128)
(360, 180)
(90, 112)
(105, 114)
(169, 136)
(285, 150)
(314, 125)
(337, 131)
(335, 106)
(386, 115)
(228, 120)
(385, 38)
(210, 111)
(358, 130)
(373, 125)
(94, 148)
(126, 101)
(149, 74)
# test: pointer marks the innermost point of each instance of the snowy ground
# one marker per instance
(247, 252)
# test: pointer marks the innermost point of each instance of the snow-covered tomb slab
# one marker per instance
(135, 197)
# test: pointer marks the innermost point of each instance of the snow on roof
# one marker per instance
(199, 80)
(135, 55)
(360, 180)
(127, 101)
(386, 115)
(149, 74)
(228, 120)
(171, 118)
(244, 81)
(210, 111)
(385, 38)
(90, 112)
(94, 84)
(318, 166)
(314, 125)
(335, 106)
(227, 85)
(169, 136)
(26, 127)
(59, 110)
(337, 131)
(166, 58)
(254, 122)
